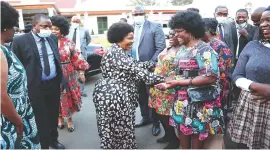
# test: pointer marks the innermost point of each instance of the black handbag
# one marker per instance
(204, 93)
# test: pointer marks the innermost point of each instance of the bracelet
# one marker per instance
(190, 82)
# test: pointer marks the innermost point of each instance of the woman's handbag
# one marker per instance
(204, 93)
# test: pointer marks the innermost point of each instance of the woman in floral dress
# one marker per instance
(197, 110)
(116, 94)
(224, 61)
(17, 120)
(72, 61)
(162, 100)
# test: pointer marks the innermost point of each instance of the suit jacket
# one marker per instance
(26, 50)
(256, 33)
(152, 41)
(244, 40)
(230, 36)
(85, 39)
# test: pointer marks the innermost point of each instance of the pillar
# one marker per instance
(21, 22)
(50, 12)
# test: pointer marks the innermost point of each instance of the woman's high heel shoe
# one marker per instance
(61, 126)
(71, 129)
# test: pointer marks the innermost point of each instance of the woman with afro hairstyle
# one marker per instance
(116, 95)
(196, 111)
(18, 125)
(72, 63)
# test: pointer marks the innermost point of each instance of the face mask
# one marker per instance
(139, 20)
(242, 25)
(221, 19)
(75, 25)
(44, 33)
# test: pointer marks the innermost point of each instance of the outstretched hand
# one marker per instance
(168, 85)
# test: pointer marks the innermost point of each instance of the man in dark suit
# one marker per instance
(256, 19)
(38, 52)
(149, 41)
(245, 31)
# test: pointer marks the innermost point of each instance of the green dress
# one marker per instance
(17, 91)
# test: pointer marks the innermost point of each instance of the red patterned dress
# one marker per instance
(71, 61)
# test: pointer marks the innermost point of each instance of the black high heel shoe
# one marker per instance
(61, 127)
(71, 129)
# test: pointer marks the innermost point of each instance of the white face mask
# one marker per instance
(242, 25)
(139, 20)
(43, 33)
(221, 19)
(75, 25)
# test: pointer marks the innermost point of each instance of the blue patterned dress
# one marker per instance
(17, 91)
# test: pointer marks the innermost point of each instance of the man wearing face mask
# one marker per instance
(245, 31)
(256, 19)
(226, 30)
(149, 41)
(81, 37)
(38, 52)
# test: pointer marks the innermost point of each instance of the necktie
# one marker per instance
(136, 42)
(220, 32)
(74, 36)
(45, 57)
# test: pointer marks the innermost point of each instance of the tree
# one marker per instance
(144, 2)
(181, 2)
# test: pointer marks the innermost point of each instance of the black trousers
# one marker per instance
(146, 112)
(46, 109)
(169, 130)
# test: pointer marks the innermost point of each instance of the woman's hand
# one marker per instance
(19, 125)
(261, 91)
(168, 85)
(82, 78)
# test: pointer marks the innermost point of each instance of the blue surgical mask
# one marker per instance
(43, 33)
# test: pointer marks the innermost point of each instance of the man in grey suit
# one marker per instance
(149, 41)
(228, 33)
(226, 29)
(81, 37)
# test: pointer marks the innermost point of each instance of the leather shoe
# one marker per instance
(57, 145)
(156, 129)
(163, 139)
(142, 123)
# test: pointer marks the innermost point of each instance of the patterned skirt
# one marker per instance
(251, 122)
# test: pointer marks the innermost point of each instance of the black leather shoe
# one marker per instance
(57, 145)
(173, 145)
(142, 123)
(156, 129)
(164, 139)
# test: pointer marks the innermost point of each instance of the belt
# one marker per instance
(48, 81)
(189, 73)
(66, 62)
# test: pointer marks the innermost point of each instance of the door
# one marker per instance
(102, 24)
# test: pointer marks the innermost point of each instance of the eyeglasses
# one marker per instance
(139, 14)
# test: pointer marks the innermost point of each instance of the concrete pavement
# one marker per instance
(85, 135)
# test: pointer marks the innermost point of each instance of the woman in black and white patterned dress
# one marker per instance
(116, 94)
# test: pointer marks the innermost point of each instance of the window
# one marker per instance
(102, 24)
